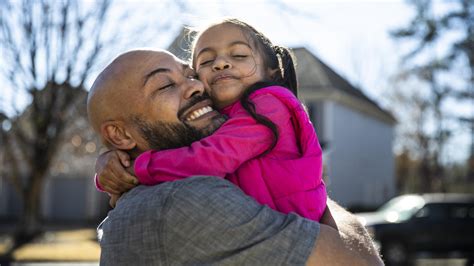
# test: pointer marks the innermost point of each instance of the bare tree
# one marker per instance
(49, 49)
(436, 70)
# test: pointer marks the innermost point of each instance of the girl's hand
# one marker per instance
(111, 173)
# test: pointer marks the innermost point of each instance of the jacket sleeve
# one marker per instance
(238, 140)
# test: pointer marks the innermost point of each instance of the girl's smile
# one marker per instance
(222, 77)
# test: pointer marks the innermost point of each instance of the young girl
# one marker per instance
(268, 147)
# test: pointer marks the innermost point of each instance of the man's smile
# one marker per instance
(199, 107)
(198, 113)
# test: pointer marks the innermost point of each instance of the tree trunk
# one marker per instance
(425, 176)
(30, 224)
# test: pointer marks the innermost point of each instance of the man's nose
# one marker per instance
(193, 87)
(221, 63)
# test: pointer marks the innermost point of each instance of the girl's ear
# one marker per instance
(115, 133)
(272, 72)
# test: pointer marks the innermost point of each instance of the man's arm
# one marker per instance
(222, 220)
(349, 244)
(207, 220)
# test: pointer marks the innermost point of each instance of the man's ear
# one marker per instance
(115, 133)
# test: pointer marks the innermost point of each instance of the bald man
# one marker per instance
(143, 100)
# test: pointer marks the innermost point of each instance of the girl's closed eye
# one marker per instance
(239, 56)
(205, 62)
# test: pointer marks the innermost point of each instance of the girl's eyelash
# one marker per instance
(205, 62)
(209, 61)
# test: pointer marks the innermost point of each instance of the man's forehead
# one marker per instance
(142, 60)
(163, 60)
(162, 63)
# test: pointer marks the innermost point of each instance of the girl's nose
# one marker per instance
(221, 64)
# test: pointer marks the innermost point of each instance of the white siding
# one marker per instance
(73, 198)
(64, 199)
(359, 158)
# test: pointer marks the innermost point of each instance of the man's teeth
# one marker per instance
(198, 113)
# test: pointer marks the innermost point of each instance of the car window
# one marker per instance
(433, 211)
(464, 211)
(401, 208)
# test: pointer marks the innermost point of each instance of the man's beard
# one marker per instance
(163, 136)
(172, 135)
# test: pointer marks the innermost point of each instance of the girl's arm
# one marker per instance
(238, 140)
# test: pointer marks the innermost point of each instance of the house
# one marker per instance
(355, 132)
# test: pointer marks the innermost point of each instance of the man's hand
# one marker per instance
(328, 219)
(111, 173)
(113, 199)
(130, 169)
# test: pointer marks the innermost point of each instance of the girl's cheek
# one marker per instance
(202, 78)
(202, 75)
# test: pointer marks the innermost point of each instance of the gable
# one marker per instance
(317, 81)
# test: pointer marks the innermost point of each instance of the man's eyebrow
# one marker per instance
(230, 45)
(154, 72)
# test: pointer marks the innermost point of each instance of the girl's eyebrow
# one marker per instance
(209, 49)
(241, 43)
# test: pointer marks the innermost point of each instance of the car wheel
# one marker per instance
(394, 253)
(470, 260)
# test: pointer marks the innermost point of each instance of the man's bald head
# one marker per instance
(112, 94)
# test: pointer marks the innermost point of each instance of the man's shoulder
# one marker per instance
(202, 220)
(159, 194)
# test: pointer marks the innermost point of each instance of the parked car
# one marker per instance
(433, 224)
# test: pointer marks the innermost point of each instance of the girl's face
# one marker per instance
(227, 63)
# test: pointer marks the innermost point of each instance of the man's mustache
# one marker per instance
(194, 100)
